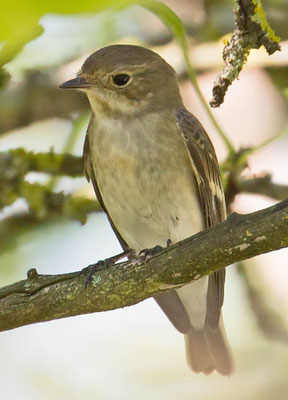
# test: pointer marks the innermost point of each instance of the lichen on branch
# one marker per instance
(252, 31)
(46, 297)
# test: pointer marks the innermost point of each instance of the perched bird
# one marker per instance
(156, 175)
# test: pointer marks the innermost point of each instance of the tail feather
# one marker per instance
(197, 352)
(172, 306)
(220, 350)
(208, 350)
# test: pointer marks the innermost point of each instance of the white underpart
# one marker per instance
(193, 295)
(147, 185)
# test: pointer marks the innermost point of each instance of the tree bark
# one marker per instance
(47, 297)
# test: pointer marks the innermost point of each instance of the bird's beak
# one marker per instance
(76, 83)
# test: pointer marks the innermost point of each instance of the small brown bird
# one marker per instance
(156, 175)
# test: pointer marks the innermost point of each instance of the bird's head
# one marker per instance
(127, 79)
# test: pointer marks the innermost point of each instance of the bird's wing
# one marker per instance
(90, 175)
(211, 195)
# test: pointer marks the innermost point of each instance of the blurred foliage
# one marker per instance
(280, 77)
(42, 201)
(15, 164)
(37, 99)
(19, 22)
(267, 316)
(252, 31)
(14, 43)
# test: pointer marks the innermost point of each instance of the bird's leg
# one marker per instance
(89, 271)
(145, 254)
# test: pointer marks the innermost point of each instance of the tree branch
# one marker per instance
(18, 162)
(46, 297)
(36, 99)
(251, 32)
(263, 185)
(43, 202)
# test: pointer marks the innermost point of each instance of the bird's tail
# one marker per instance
(207, 350)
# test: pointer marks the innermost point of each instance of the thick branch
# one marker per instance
(43, 297)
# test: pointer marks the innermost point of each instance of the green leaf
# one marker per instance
(19, 20)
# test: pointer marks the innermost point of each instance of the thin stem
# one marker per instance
(204, 103)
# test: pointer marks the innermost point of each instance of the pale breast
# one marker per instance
(145, 179)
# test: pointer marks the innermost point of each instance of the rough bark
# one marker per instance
(251, 32)
(46, 297)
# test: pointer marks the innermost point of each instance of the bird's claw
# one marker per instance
(146, 254)
(89, 271)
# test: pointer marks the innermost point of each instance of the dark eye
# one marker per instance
(121, 79)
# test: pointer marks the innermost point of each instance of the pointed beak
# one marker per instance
(76, 83)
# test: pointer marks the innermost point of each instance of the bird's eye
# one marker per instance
(121, 79)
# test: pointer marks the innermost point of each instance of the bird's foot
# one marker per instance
(146, 254)
(89, 271)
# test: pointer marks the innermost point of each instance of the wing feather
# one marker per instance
(212, 199)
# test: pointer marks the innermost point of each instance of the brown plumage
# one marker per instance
(156, 175)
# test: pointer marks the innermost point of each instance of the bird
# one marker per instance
(155, 173)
